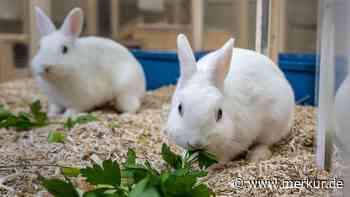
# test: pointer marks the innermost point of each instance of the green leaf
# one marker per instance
(83, 119)
(199, 173)
(137, 174)
(113, 125)
(202, 191)
(142, 180)
(39, 116)
(179, 185)
(59, 188)
(164, 176)
(203, 158)
(190, 172)
(4, 114)
(150, 169)
(104, 192)
(206, 159)
(107, 174)
(180, 172)
(131, 158)
(170, 157)
(96, 193)
(20, 123)
(23, 121)
(70, 172)
(141, 190)
(56, 137)
(69, 124)
(35, 107)
(140, 172)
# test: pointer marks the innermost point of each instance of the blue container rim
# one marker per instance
(287, 61)
(304, 62)
(162, 55)
(301, 57)
(297, 66)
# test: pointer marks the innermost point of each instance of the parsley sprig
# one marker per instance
(24, 120)
(37, 118)
(131, 179)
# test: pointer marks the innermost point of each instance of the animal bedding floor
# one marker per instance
(113, 134)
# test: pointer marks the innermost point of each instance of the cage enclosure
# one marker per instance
(149, 29)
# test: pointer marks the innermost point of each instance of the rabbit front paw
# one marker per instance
(128, 104)
(54, 110)
(259, 153)
(71, 112)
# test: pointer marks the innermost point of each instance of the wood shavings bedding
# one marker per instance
(110, 137)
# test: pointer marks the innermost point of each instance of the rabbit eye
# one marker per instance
(219, 115)
(64, 49)
(179, 108)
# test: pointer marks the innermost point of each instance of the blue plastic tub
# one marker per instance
(162, 68)
(300, 70)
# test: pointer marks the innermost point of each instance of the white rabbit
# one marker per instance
(227, 106)
(342, 114)
(342, 134)
(78, 74)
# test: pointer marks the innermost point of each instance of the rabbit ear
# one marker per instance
(44, 24)
(73, 23)
(220, 64)
(186, 59)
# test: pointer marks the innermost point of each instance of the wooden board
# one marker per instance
(262, 24)
(276, 37)
(243, 39)
(115, 11)
(90, 8)
(8, 70)
(30, 36)
(197, 24)
(14, 38)
(163, 37)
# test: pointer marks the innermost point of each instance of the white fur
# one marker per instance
(256, 100)
(342, 114)
(93, 72)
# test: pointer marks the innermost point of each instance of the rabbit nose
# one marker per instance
(195, 145)
(47, 68)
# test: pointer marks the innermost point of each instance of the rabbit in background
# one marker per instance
(230, 100)
(342, 114)
(79, 74)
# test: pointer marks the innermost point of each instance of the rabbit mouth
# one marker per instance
(196, 147)
(48, 69)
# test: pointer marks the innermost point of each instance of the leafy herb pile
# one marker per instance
(132, 179)
(37, 118)
(24, 120)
